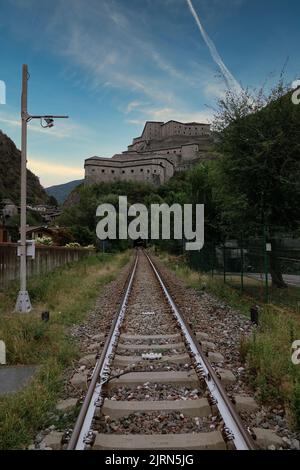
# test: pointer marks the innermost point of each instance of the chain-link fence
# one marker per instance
(255, 268)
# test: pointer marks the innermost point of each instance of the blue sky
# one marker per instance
(113, 64)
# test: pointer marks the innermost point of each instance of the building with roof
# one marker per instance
(162, 150)
(59, 235)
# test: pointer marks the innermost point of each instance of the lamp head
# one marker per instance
(48, 120)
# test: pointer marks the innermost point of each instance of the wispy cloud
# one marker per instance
(229, 78)
(113, 50)
(116, 52)
(214, 90)
(132, 106)
(53, 173)
(166, 114)
(135, 122)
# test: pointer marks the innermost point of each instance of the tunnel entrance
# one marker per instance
(140, 243)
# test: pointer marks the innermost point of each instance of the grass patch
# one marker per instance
(268, 352)
(68, 292)
(255, 288)
(268, 356)
(202, 282)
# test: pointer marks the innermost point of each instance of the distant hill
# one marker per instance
(10, 173)
(62, 191)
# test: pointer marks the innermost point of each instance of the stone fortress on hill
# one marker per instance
(162, 150)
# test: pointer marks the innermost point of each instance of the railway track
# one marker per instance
(153, 374)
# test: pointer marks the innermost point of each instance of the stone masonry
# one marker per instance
(155, 156)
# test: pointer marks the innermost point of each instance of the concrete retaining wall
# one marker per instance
(46, 259)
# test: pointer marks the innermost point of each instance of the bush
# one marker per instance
(44, 241)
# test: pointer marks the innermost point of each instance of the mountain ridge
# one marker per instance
(62, 191)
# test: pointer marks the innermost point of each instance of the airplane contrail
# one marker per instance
(229, 78)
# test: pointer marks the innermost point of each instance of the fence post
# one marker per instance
(224, 262)
(266, 275)
(242, 268)
(212, 259)
(266, 267)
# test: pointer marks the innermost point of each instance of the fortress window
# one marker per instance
(132, 171)
(148, 171)
(103, 171)
(123, 171)
(142, 169)
(112, 171)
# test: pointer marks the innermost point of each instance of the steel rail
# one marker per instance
(234, 427)
(100, 374)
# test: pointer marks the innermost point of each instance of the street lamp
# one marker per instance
(23, 304)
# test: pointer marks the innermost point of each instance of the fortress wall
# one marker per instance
(152, 130)
(189, 151)
(170, 142)
(151, 171)
(160, 130)
(176, 128)
(155, 156)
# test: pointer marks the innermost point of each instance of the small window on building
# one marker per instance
(103, 171)
(123, 171)
(132, 171)
(112, 171)
(142, 169)
(148, 171)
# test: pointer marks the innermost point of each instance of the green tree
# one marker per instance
(257, 178)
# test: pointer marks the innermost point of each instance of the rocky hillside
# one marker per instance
(10, 172)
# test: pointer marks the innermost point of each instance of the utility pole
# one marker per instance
(23, 304)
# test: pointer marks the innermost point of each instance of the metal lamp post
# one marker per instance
(23, 304)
